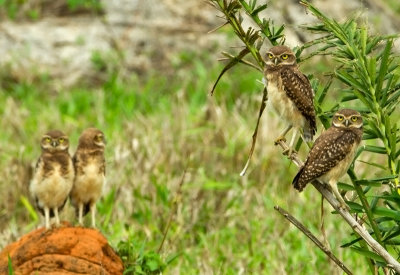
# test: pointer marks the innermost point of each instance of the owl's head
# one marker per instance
(347, 118)
(279, 56)
(54, 140)
(92, 138)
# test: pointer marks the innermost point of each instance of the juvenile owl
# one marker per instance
(53, 177)
(290, 93)
(90, 170)
(333, 152)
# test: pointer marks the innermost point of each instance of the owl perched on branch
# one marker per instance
(53, 177)
(290, 93)
(90, 171)
(333, 152)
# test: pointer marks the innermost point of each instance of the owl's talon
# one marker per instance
(289, 153)
(279, 139)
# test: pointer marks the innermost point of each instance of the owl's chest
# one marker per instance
(59, 169)
(92, 170)
(91, 167)
(341, 168)
(280, 102)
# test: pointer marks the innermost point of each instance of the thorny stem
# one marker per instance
(237, 27)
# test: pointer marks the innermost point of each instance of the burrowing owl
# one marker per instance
(332, 152)
(290, 93)
(54, 175)
(90, 170)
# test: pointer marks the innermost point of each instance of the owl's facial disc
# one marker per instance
(54, 143)
(100, 140)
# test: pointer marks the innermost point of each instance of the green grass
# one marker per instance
(224, 223)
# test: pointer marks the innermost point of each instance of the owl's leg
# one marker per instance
(56, 216)
(294, 137)
(343, 204)
(93, 212)
(80, 213)
(282, 135)
(47, 217)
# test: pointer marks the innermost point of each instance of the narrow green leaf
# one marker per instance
(369, 183)
(372, 43)
(259, 9)
(377, 182)
(393, 242)
(371, 62)
(349, 98)
(349, 80)
(363, 40)
(29, 208)
(373, 164)
(230, 65)
(344, 186)
(381, 211)
(367, 253)
(374, 149)
(394, 234)
(384, 65)
(351, 242)
(10, 268)
(384, 92)
(355, 207)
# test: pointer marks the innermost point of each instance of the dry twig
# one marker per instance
(308, 233)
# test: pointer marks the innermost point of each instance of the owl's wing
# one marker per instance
(298, 89)
(103, 165)
(331, 147)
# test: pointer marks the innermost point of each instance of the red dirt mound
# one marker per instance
(64, 250)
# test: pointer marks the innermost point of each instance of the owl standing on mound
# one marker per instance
(90, 170)
(290, 93)
(53, 177)
(333, 152)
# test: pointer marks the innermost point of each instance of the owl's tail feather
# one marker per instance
(297, 182)
(309, 131)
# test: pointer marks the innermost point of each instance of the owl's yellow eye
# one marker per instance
(99, 138)
(340, 118)
(270, 56)
(354, 118)
(284, 56)
(48, 140)
(61, 140)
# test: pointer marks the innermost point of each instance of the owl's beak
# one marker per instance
(346, 123)
(275, 61)
(54, 143)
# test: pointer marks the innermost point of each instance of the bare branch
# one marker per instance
(310, 235)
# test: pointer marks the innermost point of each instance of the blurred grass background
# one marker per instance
(156, 127)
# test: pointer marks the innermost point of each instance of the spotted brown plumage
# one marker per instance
(290, 93)
(298, 89)
(53, 177)
(89, 163)
(333, 151)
